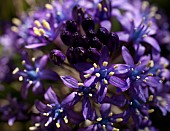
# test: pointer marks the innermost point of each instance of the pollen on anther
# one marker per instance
(15, 70)
(95, 65)
(57, 125)
(20, 78)
(105, 63)
(111, 73)
(97, 74)
(87, 76)
(37, 23)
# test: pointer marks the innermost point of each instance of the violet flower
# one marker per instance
(15, 110)
(56, 115)
(33, 74)
(106, 75)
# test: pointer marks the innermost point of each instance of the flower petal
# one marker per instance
(105, 109)
(50, 96)
(70, 82)
(104, 55)
(127, 56)
(86, 106)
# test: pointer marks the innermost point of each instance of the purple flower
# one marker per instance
(14, 111)
(107, 74)
(55, 114)
(33, 73)
(85, 90)
(106, 121)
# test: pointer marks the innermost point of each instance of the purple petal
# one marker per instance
(89, 81)
(116, 81)
(153, 81)
(127, 56)
(70, 82)
(71, 100)
(152, 42)
(42, 62)
(37, 88)
(143, 62)
(86, 106)
(41, 107)
(123, 36)
(24, 89)
(121, 69)
(48, 75)
(104, 55)
(101, 93)
(106, 24)
(32, 46)
(74, 117)
(83, 66)
(50, 96)
(105, 109)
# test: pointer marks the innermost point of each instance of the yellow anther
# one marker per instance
(15, 70)
(87, 75)
(61, 110)
(105, 81)
(37, 70)
(65, 119)
(146, 118)
(16, 21)
(105, 9)
(32, 128)
(144, 35)
(37, 23)
(14, 29)
(80, 84)
(20, 78)
(97, 74)
(45, 114)
(99, 7)
(111, 73)
(80, 94)
(99, 119)
(116, 66)
(37, 124)
(49, 6)
(95, 65)
(104, 126)
(150, 74)
(151, 98)
(46, 124)
(49, 105)
(145, 4)
(33, 59)
(151, 111)
(105, 63)
(41, 31)
(46, 24)
(150, 23)
(144, 80)
(110, 114)
(119, 120)
(23, 62)
(115, 129)
(151, 63)
(36, 32)
(138, 77)
(57, 125)
(90, 95)
(30, 82)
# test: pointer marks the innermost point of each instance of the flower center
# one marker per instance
(32, 75)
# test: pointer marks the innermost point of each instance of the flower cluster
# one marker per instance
(86, 73)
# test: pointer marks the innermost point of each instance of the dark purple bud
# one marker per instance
(83, 41)
(66, 37)
(91, 34)
(57, 57)
(103, 35)
(78, 14)
(113, 41)
(88, 24)
(93, 54)
(70, 55)
(80, 54)
(95, 43)
(75, 39)
(71, 26)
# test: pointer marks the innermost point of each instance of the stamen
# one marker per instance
(150, 23)
(138, 77)
(42, 32)
(32, 128)
(46, 24)
(119, 120)
(80, 84)
(30, 82)
(33, 59)
(145, 4)
(116, 66)
(37, 70)
(146, 118)
(100, 7)
(151, 111)
(37, 124)
(110, 114)
(16, 21)
(111, 73)
(61, 110)
(115, 129)
(80, 94)
(20, 78)
(99, 119)
(105, 63)
(23, 62)
(151, 98)
(15, 70)
(97, 74)
(95, 65)
(46, 114)
(37, 23)
(151, 63)
(90, 95)
(150, 74)
(57, 125)
(49, 105)
(104, 126)
(15, 29)
(144, 35)
(65, 119)
(105, 81)
(105, 9)
(87, 75)
(49, 6)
